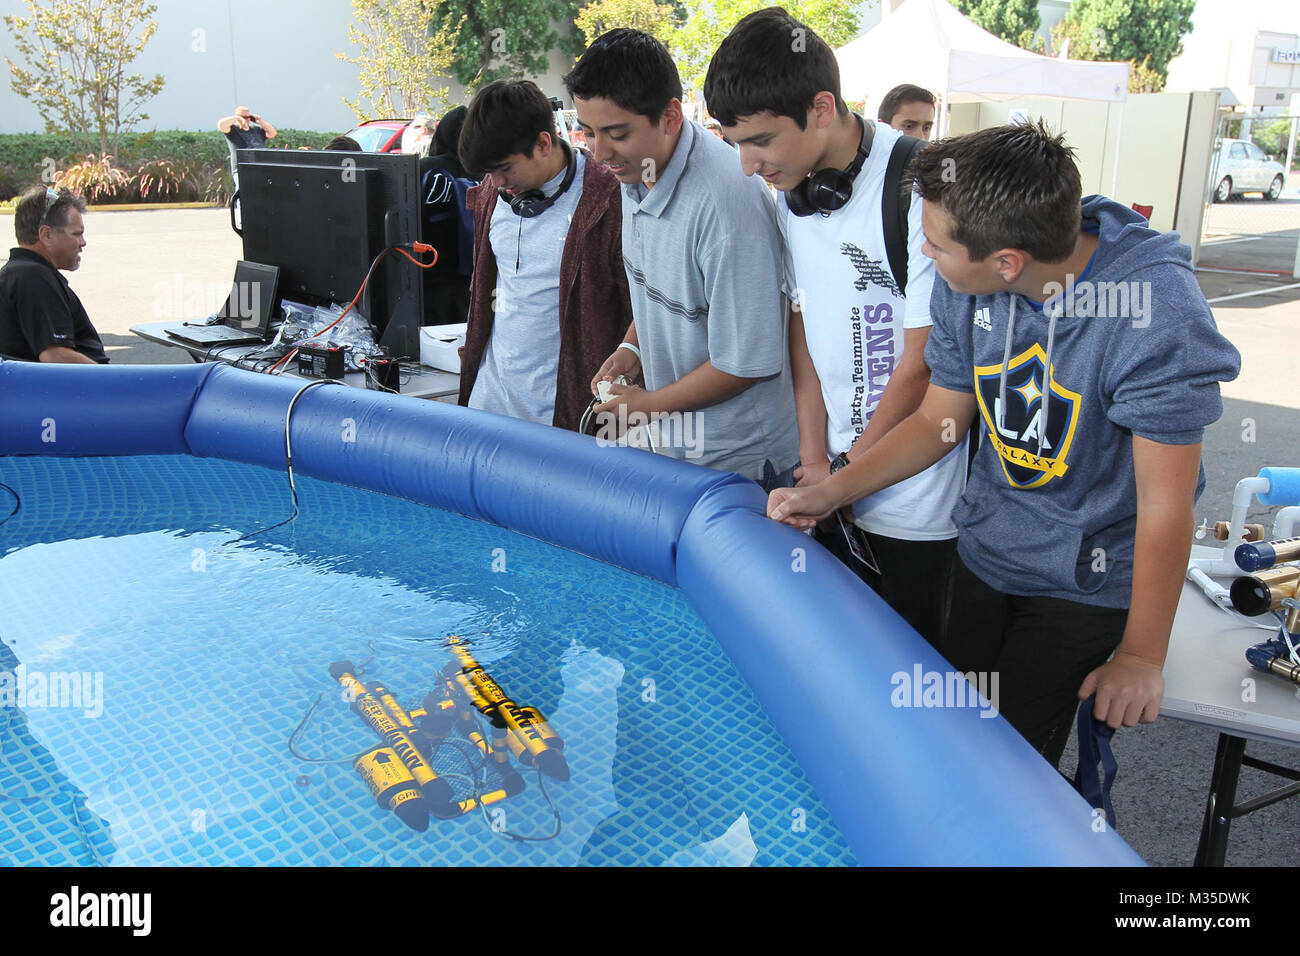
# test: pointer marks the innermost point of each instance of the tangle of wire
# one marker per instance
(275, 369)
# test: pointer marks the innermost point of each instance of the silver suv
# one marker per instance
(1242, 167)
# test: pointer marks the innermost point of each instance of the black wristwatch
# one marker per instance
(839, 461)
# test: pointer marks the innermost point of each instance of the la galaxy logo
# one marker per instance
(1014, 431)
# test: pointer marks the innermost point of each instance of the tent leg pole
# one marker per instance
(1119, 135)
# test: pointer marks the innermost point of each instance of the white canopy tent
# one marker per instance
(929, 43)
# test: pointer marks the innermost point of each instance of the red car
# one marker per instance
(379, 136)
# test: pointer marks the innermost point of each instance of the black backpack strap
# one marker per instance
(894, 209)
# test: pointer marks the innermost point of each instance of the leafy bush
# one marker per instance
(13, 182)
(1272, 138)
(97, 179)
(164, 180)
(215, 184)
(177, 165)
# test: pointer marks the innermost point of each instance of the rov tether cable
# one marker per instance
(288, 459)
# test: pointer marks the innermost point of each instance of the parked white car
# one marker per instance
(1243, 167)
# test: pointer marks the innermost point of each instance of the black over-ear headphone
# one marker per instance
(534, 202)
(829, 189)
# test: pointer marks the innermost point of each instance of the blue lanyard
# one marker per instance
(1094, 749)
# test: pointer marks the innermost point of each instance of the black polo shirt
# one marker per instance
(38, 309)
(252, 138)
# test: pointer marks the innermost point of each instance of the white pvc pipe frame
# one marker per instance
(1284, 526)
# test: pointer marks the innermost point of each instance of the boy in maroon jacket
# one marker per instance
(549, 297)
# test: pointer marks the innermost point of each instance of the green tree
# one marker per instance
(601, 16)
(709, 21)
(404, 47)
(1272, 137)
(1007, 19)
(508, 37)
(74, 55)
(1147, 33)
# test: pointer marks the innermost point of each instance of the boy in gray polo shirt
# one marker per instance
(703, 257)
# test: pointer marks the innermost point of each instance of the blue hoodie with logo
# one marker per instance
(1051, 505)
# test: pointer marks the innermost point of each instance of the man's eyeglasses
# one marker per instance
(51, 197)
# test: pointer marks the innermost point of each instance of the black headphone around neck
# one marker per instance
(533, 202)
(829, 189)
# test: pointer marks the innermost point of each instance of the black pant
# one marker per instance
(914, 579)
(1041, 648)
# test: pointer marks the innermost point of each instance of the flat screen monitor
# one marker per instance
(323, 216)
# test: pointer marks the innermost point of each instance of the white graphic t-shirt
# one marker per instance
(854, 316)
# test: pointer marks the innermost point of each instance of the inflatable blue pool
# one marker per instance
(908, 782)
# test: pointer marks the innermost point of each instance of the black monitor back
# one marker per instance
(323, 217)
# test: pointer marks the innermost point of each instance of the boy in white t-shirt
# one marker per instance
(857, 330)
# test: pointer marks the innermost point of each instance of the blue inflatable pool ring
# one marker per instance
(906, 782)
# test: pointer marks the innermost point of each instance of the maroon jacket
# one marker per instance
(595, 310)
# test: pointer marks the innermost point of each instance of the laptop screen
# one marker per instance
(252, 297)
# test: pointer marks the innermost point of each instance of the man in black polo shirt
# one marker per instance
(41, 318)
(245, 129)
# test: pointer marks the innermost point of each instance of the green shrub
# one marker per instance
(1272, 138)
(165, 180)
(215, 184)
(177, 165)
(13, 182)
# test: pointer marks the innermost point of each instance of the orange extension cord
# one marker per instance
(420, 247)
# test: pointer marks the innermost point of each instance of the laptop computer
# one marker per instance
(246, 315)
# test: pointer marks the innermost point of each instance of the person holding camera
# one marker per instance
(245, 129)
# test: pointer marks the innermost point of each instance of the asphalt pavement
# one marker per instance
(177, 264)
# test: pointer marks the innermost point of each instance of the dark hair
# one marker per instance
(344, 144)
(446, 138)
(630, 68)
(770, 62)
(899, 97)
(30, 213)
(504, 118)
(1009, 186)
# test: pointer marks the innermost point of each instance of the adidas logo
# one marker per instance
(983, 318)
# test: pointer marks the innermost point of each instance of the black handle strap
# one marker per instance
(894, 209)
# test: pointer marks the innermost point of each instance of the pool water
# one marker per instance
(204, 728)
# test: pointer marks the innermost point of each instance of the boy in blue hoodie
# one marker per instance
(1079, 337)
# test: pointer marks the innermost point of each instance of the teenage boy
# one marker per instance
(548, 297)
(1079, 336)
(703, 258)
(909, 109)
(857, 336)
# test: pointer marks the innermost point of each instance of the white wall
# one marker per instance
(282, 64)
(1164, 142)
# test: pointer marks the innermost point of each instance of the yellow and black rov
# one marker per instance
(400, 771)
